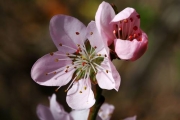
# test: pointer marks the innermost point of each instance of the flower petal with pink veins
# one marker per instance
(80, 96)
(107, 76)
(132, 50)
(49, 71)
(67, 31)
(44, 113)
(103, 17)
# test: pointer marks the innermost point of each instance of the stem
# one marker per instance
(99, 101)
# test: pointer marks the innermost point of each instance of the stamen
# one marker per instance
(140, 39)
(131, 19)
(125, 21)
(77, 33)
(63, 59)
(93, 67)
(91, 33)
(72, 81)
(57, 89)
(51, 53)
(119, 32)
(135, 28)
(67, 54)
(115, 34)
(83, 63)
(138, 16)
(56, 60)
(69, 47)
(130, 38)
(135, 35)
(80, 91)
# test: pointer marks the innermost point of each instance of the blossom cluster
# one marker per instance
(84, 57)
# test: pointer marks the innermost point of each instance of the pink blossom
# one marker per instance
(57, 112)
(54, 112)
(82, 58)
(106, 111)
(122, 30)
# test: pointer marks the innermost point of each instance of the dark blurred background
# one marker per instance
(150, 86)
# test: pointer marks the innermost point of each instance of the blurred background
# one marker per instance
(150, 86)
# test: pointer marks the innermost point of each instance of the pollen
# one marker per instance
(131, 19)
(67, 53)
(138, 16)
(51, 53)
(135, 28)
(56, 60)
(85, 87)
(140, 39)
(83, 63)
(135, 35)
(77, 33)
(125, 21)
(130, 37)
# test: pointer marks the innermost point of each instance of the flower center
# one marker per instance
(86, 61)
